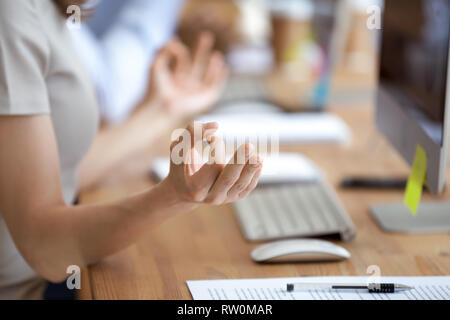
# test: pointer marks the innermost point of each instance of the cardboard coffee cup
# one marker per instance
(291, 24)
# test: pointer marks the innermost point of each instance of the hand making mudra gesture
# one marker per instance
(208, 177)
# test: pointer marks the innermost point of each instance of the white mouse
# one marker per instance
(298, 250)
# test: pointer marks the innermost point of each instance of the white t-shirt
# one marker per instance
(41, 74)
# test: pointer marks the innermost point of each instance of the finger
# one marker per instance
(246, 178)
(181, 150)
(216, 160)
(216, 70)
(180, 56)
(192, 138)
(252, 185)
(195, 162)
(202, 53)
(178, 156)
(217, 152)
(229, 175)
(203, 180)
(161, 59)
(199, 131)
(160, 67)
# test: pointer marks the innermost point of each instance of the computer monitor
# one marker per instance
(413, 98)
(413, 103)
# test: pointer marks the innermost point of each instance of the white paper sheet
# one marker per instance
(287, 127)
(425, 288)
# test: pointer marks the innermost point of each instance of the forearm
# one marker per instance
(81, 235)
(114, 145)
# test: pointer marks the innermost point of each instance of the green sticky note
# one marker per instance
(416, 180)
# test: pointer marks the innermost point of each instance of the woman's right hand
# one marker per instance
(214, 182)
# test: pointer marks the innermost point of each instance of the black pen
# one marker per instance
(371, 287)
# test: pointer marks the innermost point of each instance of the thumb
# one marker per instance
(161, 66)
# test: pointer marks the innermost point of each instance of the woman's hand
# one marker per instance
(213, 182)
(186, 85)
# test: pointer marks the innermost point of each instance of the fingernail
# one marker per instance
(248, 149)
(257, 164)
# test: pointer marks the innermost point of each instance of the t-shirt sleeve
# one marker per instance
(24, 56)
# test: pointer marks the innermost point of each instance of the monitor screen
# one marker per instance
(414, 59)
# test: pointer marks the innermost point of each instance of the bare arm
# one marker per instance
(52, 236)
(115, 144)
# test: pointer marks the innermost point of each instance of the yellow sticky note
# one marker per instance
(291, 54)
(416, 180)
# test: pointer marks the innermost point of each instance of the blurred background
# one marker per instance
(321, 51)
(299, 56)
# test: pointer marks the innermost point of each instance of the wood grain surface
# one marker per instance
(207, 243)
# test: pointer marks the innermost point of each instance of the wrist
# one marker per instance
(147, 122)
(172, 198)
(158, 103)
(169, 193)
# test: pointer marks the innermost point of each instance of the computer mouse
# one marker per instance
(299, 250)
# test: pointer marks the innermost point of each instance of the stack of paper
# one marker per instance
(425, 288)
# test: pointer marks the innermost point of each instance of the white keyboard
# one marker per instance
(293, 210)
(285, 167)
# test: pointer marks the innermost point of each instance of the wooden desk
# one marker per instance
(207, 243)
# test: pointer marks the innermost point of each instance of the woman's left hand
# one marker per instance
(186, 85)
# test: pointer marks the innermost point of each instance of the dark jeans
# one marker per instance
(58, 291)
